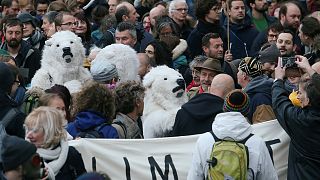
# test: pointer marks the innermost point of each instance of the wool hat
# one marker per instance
(251, 66)
(210, 64)
(6, 78)
(15, 151)
(270, 53)
(102, 70)
(237, 101)
(27, 17)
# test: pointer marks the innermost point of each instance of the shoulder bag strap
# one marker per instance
(9, 116)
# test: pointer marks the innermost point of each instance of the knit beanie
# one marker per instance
(269, 54)
(27, 17)
(237, 101)
(15, 151)
(6, 78)
(102, 70)
(251, 66)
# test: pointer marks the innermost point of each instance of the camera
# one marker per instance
(289, 62)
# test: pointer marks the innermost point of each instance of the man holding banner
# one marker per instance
(301, 123)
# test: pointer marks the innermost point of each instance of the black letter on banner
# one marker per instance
(167, 161)
(126, 162)
(269, 143)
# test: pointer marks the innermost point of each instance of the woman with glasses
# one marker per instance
(208, 13)
(44, 129)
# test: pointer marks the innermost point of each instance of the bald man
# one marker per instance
(197, 115)
(145, 64)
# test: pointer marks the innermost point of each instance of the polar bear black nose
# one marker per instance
(181, 82)
(66, 49)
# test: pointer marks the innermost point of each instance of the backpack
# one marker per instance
(6, 119)
(121, 129)
(93, 132)
(229, 160)
(30, 102)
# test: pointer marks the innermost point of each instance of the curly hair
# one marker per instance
(127, 94)
(96, 97)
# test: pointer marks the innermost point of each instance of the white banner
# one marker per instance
(165, 158)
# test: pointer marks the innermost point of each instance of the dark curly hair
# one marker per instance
(127, 94)
(203, 7)
(96, 97)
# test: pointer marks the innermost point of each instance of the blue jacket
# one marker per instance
(87, 120)
(259, 92)
(241, 37)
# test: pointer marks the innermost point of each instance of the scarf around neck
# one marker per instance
(56, 156)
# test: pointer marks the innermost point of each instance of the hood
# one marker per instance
(179, 49)
(88, 119)
(206, 27)
(203, 106)
(236, 27)
(231, 124)
(260, 84)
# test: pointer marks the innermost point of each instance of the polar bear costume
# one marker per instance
(124, 58)
(61, 63)
(165, 94)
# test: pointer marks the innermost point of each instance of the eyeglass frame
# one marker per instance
(76, 23)
(216, 9)
(181, 9)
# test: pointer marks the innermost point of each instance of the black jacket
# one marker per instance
(27, 58)
(195, 37)
(73, 167)
(303, 127)
(197, 115)
(241, 37)
(15, 127)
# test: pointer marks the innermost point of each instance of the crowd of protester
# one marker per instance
(268, 50)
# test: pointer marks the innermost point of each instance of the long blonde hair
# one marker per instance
(51, 121)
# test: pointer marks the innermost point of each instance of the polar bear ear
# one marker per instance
(48, 42)
(147, 81)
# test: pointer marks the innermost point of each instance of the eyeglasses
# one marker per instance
(216, 9)
(71, 24)
(181, 9)
(33, 130)
(18, 82)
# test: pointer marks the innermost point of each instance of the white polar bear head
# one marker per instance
(165, 86)
(124, 58)
(64, 49)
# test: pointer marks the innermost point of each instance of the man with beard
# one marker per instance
(285, 43)
(259, 18)
(290, 16)
(26, 58)
(242, 32)
(212, 46)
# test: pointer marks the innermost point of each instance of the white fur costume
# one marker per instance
(61, 63)
(165, 94)
(124, 58)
